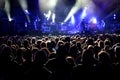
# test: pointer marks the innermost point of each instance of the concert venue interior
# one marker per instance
(59, 16)
(59, 39)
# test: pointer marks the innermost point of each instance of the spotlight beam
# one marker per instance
(79, 4)
(53, 17)
(73, 11)
(24, 6)
(7, 9)
(47, 4)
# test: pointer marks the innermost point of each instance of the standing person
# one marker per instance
(83, 26)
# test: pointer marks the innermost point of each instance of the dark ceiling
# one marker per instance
(106, 7)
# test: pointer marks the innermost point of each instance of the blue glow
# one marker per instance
(84, 13)
(72, 20)
(36, 23)
(26, 24)
(53, 17)
(10, 19)
(93, 20)
(27, 12)
(114, 16)
(48, 15)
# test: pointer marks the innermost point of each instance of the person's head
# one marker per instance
(104, 57)
(9, 42)
(40, 57)
(107, 42)
(27, 55)
(87, 56)
(61, 52)
(26, 43)
(90, 41)
(5, 53)
(117, 52)
(43, 44)
(101, 44)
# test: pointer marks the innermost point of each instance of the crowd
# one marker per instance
(60, 57)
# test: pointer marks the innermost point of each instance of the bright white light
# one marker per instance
(7, 9)
(72, 20)
(73, 11)
(75, 8)
(27, 12)
(53, 17)
(84, 13)
(93, 20)
(25, 24)
(79, 4)
(10, 19)
(52, 3)
(62, 23)
(47, 4)
(23, 4)
(114, 16)
(48, 15)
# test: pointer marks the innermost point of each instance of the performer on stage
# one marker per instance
(83, 26)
